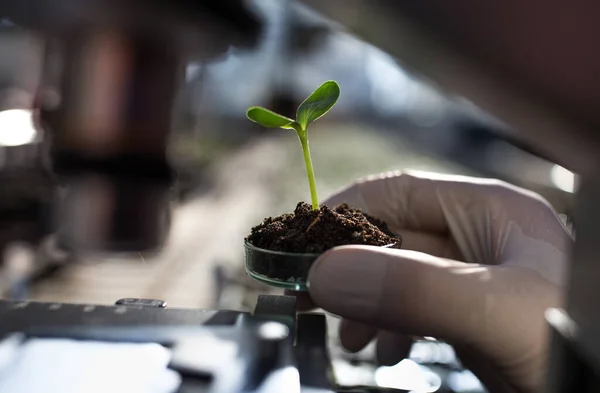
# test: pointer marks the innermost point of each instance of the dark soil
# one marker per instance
(310, 231)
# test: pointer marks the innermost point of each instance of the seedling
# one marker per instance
(313, 108)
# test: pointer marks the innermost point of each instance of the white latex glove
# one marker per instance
(480, 263)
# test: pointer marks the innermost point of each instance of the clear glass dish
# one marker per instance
(286, 270)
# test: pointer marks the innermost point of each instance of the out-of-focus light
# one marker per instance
(432, 352)
(464, 381)
(352, 375)
(69, 366)
(9, 350)
(392, 90)
(192, 71)
(407, 375)
(563, 178)
(288, 377)
(6, 23)
(16, 127)
(273, 331)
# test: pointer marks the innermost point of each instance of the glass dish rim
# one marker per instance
(252, 247)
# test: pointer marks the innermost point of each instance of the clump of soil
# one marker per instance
(312, 232)
(316, 231)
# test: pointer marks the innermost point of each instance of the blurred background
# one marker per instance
(232, 173)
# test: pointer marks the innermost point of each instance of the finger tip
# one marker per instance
(392, 348)
(352, 346)
(355, 336)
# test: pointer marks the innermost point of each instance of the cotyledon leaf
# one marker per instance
(267, 118)
(318, 103)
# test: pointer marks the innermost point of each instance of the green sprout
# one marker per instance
(313, 108)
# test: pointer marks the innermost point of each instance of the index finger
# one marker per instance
(403, 200)
(414, 200)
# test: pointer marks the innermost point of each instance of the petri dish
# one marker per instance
(281, 269)
(278, 269)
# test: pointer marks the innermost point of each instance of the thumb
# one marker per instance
(498, 310)
(398, 290)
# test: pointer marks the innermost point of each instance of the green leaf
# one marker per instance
(318, 103)
(292, 126)
(267, 118)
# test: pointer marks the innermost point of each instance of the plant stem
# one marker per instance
(303, 136)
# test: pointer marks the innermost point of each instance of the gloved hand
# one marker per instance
(480, 263)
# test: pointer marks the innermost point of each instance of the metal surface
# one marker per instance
(19, 316)
(217, 351)
(312, 353)
(280, 308)
(213, 351)
(131, 302)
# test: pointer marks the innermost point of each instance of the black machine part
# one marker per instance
(112, 72)
(271, 339)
